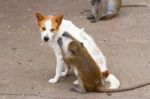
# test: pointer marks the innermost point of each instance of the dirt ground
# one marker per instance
(27, 63)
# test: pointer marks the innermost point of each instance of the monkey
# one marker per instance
(85, 65)
(89, 75)
(106, 9)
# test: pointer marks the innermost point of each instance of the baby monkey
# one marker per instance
(89, 75)
(104, 9)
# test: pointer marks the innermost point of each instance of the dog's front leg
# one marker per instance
(59, 68)
(59, 62)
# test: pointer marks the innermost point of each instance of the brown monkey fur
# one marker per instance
(88, 71)
(89, 75)
(106, 9)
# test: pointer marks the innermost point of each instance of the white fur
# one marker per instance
(83, 37)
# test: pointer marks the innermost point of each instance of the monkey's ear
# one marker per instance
(82, 44)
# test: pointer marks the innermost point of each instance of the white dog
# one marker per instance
(52, 27)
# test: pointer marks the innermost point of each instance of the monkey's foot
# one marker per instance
(93, 21)
(91, 17)
(75, 82)
(78, 89)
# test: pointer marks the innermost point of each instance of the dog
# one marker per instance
(52, 27)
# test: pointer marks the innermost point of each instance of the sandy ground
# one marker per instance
(27, 63)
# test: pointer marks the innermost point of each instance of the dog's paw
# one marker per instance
(76, 82)
(52, 81)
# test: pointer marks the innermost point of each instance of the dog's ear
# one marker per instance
(39, 17)
(56, 21)
(59, 19)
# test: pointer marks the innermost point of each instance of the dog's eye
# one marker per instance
(52, 30)
(43, 28)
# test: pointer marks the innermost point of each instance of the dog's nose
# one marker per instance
(46, 39)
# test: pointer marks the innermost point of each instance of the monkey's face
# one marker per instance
(75, 47)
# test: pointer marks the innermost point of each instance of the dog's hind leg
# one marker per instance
(114, 82)
(65, 73)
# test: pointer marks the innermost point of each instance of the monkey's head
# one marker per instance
(75, 47)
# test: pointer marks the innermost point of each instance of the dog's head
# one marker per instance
(48, 25)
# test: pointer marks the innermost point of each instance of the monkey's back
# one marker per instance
(89, 71)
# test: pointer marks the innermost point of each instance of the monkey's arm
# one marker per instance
(66, 34)
(70, 60)
(60, 43)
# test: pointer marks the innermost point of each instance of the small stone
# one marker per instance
(29, 9)
(41, 44)
(30, 60)
(14, 48)
(19, 63)
(142, 54)
(32, 87)
(9, 26)
(113, 51)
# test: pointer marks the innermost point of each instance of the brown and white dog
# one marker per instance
(52, 27)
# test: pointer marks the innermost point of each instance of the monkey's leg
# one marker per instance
(80, 88)
(95, 9)
(94, 4)
(109, 15)
(99, 9)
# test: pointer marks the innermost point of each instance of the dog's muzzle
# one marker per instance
(46, 38)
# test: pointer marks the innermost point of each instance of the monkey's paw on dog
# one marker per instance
(60, 41)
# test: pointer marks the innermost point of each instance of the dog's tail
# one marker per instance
(114, 82)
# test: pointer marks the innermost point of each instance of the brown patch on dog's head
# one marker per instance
(41, 21)
(56, 21)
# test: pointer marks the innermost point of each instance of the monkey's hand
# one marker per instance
(67, 35)
(60, 42)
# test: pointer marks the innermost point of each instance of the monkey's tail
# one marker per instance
(138, 5)
(103, 90)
